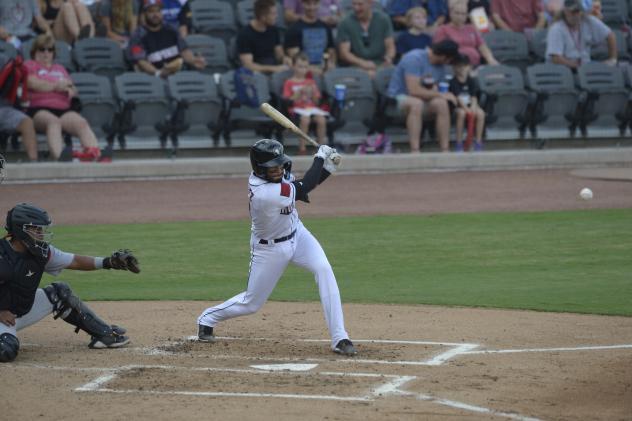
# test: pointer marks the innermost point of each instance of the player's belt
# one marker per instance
(278, 240)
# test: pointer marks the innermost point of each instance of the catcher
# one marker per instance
(25, 254)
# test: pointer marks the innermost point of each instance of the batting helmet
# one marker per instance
(268, 153)
(31, 225)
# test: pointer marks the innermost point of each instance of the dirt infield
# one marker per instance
(415, 362)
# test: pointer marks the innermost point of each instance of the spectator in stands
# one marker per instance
(17, 19)
(329, 11)
(415, 36)
(571, 37)
(12, 121)
(397, 10)
(595, 10)
(437, 13)
(50, 90)
(465, 35)
(158, 49)
(518, 15)
(70, 20)
(304, 95)
(465, 89)
(259, 44)
(365, 38)
(413, 86)
(175, 13)
(552, 8)
(313, 37)
(119, 18)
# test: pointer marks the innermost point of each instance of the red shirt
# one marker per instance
(305, 100)
(467, 37)
(54, 73)
(518, 14)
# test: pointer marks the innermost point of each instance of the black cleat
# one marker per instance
(345, 347)
(111, 341)
(205, 334)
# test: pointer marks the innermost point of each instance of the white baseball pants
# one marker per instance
(42, 307)
(267, 264)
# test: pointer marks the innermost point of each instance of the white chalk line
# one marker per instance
(563, 349)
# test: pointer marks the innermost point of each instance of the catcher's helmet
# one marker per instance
(268, 153)
(31, 225)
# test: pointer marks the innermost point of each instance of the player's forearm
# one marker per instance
(311, 178)
(85, 263)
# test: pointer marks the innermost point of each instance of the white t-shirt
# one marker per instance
(272, 208)
(57, 261)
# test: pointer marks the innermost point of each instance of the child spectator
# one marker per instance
(304, 94)
(465, 89)
(414, 37)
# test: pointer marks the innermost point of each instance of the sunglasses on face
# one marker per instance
(49, 49)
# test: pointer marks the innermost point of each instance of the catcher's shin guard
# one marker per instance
(74, 311)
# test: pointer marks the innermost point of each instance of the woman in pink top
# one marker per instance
(465, 35)
(50, 91)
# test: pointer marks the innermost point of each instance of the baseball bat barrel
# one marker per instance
(277, 116)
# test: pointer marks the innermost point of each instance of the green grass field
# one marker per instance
(578, 261)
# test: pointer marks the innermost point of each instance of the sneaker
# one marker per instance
(113, 340)
(478, 146)
(345, 347)
(66, 154)
(88, 154)
(205, 334)
(459, 147)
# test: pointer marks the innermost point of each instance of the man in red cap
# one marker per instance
(158, 49)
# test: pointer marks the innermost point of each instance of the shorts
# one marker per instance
(55, 111)
(10, 118)
(400, 106)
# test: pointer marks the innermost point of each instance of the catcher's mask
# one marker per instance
(31, 225)
(2, 168)
(268, 153)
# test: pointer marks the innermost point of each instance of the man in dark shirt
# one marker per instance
(158, 49)
(259, 44)
(313, 37)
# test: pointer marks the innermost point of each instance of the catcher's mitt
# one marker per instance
(122, 260)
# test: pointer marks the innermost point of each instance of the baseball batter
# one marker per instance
(25, 254)
(278, 237)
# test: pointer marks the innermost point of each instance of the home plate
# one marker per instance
(285, 367)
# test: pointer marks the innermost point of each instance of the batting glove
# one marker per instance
(324, 151)
(332, 162)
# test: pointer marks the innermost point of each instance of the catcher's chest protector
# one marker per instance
(24, 278)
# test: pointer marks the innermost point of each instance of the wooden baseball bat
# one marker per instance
(276, 115)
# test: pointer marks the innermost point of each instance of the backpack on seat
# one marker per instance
(13, 76)
(376, 143)
(246, 87)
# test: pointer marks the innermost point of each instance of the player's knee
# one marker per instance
(322, 268)
(9, 346)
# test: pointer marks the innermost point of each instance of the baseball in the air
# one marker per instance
(586, 193)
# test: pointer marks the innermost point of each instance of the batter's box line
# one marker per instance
(98, 385)
(389, 388)
(456, 349)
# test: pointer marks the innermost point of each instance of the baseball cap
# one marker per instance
(149, 3)
(573, 4)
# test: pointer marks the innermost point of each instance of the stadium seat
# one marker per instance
(605, 105)
(360, 98)
(237, 116)
(98, 104)
(99, 55)
(213, 50)
(387, 113)
(537, 45)
(615, 13)
(505, 100)
(144, 106)
(198, 105)
(8, 50)
(276, 89)
(215, 18)
(600, 52)
(554, 106)
(63, 53)
(509, 48)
